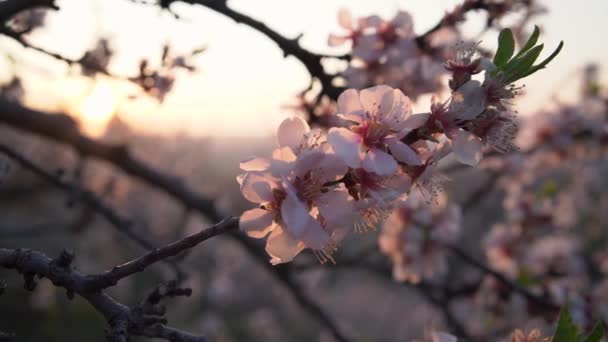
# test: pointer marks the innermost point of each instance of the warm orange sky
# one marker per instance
(243, 79)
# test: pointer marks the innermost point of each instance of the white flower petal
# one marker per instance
(257, 187)
(401, 109)
(282, 247)
(336, 40)
(379, 162)
(295, 214)
(291, 132)
(346, 145)
(255, 164)
(336, 208)
(378, 99)
(345, 18)
(416, 121)
(315, 237)
(403, 152)
(349, 106)
(467, 148)
(468, 101)
(256, 223)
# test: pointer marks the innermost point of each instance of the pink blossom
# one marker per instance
(381, 116)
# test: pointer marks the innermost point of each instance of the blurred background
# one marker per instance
(219, 90)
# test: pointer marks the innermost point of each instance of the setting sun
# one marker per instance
(97, 108)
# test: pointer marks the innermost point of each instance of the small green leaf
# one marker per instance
(544, 63)
(596, 333)
(566, 330)
(530, 43)
(506, 48)
(519, 67)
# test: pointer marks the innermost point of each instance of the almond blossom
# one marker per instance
(381, 116)
(413, 237)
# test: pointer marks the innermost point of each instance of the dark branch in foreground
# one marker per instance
(122, 320)
(10, 8)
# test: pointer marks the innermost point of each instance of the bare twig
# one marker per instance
(10, 8)
(111, 277)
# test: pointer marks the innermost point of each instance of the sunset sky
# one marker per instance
(243, 80)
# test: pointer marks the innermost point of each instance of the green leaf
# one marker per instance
(519, 67)
(530, 43)
(544, 63)
(596, 333)
(506, 48)
(566, 330)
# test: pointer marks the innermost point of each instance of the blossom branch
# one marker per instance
(61, 128)
(123, 321)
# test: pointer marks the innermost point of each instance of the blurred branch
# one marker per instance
(123, 321)
(283, 273)
(541, 301)
(123, 224)
(62, 128)
(10, 8)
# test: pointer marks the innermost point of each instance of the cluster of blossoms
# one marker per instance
(414, 237)
(159, 81)
(388, 52)
(551, 240)
(318, 186)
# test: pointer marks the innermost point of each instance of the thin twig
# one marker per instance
(111, 277)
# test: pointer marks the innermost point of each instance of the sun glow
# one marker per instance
(97, 108)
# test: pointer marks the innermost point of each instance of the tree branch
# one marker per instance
(64, 129)
(10, 8)
(123, 321)
(311, 61)
(111, 277)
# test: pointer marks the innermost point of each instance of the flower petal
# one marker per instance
(378, 99)
(257, 187)
(282, 247)
(255, 164)
(467, 148)
(349, 106)
(336, 208)
(256, 223)
(345, 18)
(315, 237)
(346, 145)
(403, 152)
(295, 214)
(379, 162)
(468, 101)
(336, 40)
(399, 112)
(291, 131)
